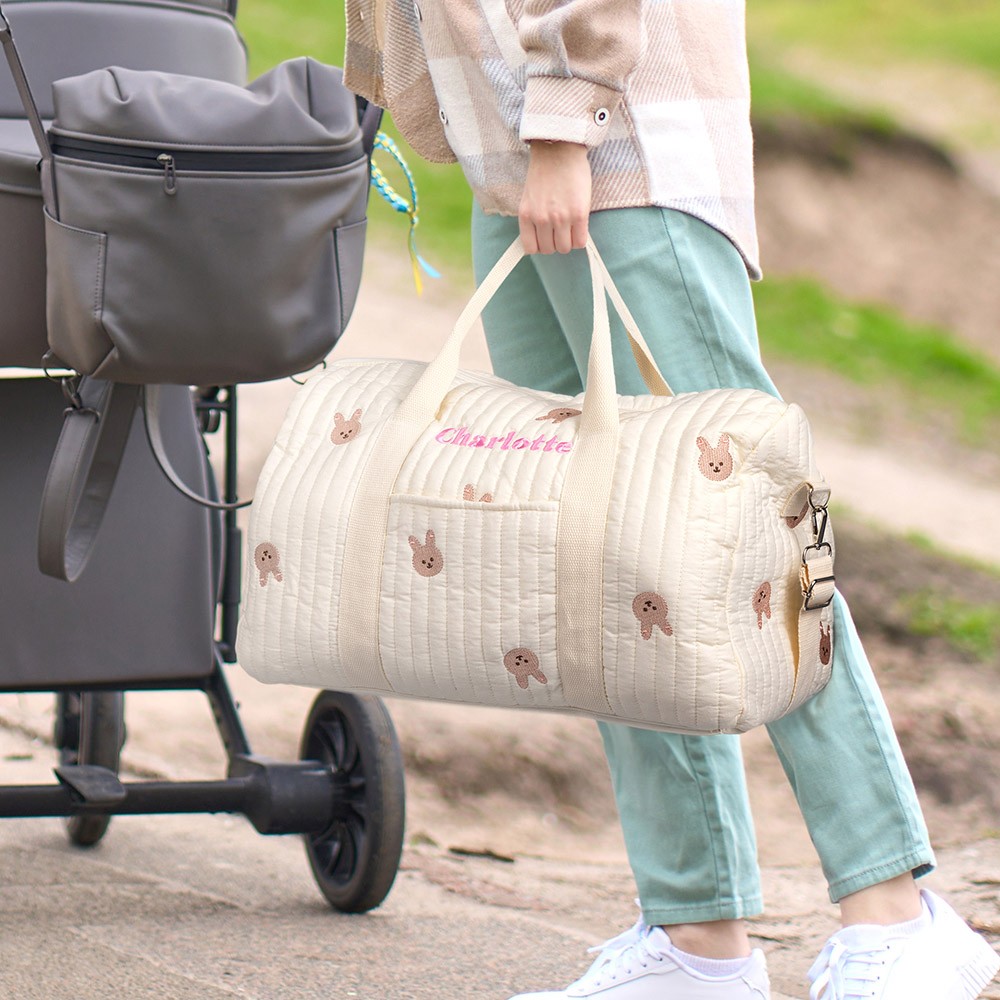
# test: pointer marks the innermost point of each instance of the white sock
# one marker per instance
(913, 926)
(715, 968)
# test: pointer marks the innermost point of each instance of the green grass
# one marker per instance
(970, 628)
(801, 321)
(778, 95)
(964, 32)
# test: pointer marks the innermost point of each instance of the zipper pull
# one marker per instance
(169, 173)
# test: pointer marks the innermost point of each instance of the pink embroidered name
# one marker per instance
(463, 437)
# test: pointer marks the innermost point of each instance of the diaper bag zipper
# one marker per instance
(170, 160)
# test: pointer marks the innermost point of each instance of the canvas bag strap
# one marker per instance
(30, 109)
(583, 508)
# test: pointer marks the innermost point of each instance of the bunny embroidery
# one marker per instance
(651, 611)
(715, 463)
(469, 493)
(345, 430)
(268, 562)
(762, 603)
(427, 558)
(523, 663)
(558, 415)
(825, 644)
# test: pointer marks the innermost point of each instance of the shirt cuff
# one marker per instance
(567, 109)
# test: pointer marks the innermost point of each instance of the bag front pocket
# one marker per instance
(75, 262)
(468, 605)
(213, 276)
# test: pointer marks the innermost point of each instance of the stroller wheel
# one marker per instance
(90, 729)
(355, 859)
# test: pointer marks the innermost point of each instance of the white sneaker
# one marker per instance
(946, 960)
(642, 964)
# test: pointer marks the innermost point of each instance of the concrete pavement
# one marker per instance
(178, 908)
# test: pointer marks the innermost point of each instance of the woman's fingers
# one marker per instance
(555, 205)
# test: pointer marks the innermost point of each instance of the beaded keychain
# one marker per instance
(400, 204)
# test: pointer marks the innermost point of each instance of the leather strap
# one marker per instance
(31, 110)
(84, 468)
(151, 405)
(23, 87)
(82, 475)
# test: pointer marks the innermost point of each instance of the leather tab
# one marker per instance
(82, 475)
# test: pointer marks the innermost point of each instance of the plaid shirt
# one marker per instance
(657, 89)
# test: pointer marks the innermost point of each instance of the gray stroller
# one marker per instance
(155, 609)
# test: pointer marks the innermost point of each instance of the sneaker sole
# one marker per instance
(977, 972)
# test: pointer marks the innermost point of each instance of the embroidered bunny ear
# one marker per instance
(414, 544)
(338, 418)
(703, 445)
(429, 538)
(724, 442)
(356, 415)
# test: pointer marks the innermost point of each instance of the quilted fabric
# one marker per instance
(465, 586)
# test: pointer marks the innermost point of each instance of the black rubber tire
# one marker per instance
(355, 860)
(90, 729)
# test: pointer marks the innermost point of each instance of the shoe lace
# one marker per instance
(842, 973)
(621, 955)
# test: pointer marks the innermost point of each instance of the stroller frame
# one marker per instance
(345, 796)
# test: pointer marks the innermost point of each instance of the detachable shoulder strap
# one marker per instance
(31, 110)
(152, 410)
(23, 87)
(84, 468)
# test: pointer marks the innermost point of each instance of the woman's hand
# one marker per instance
(555, 206)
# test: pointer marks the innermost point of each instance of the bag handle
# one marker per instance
(425, 398)
(586, 493)
(85, 465)
(23, 87)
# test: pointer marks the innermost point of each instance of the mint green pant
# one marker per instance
(682, 799)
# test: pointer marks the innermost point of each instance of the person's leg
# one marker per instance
(683, 801)
(688, 291)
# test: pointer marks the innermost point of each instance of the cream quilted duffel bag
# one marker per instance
(656, 560)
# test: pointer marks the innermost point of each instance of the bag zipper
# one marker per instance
(219, 161)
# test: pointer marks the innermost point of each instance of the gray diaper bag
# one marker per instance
(198, 231)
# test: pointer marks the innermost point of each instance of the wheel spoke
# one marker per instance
(349, 853)
(352, 753)
(332, 850)
(333, 740)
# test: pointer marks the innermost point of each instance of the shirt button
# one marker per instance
(601, 116)
(442, 116)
